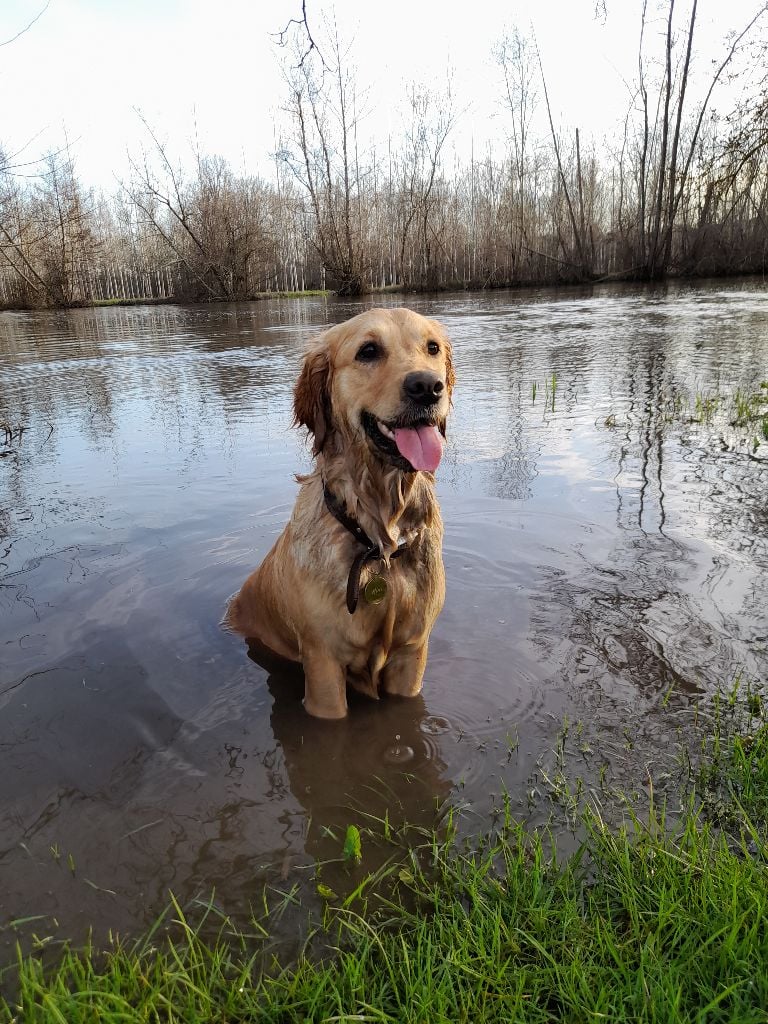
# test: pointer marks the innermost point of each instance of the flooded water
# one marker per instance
(602, 552)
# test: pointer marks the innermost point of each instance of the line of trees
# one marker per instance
(679, 190)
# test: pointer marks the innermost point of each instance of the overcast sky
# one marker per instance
(214, 69)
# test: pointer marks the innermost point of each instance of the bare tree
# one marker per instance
(515, 56)
(66, 246)
(323, 154)
(682, 190)
(23, 284)
(579, 253)
(45, 235)
(666, 151)
(432, 117)
(212, 224)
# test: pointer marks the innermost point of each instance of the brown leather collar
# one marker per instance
(370, 553)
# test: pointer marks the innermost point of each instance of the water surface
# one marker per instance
(601, 553)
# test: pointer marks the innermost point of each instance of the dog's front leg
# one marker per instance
(403, 674)
(325, 684)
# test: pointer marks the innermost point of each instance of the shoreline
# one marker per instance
(396, 289)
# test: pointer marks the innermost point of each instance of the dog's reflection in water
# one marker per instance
(380, 767)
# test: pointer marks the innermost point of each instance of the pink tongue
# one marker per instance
(422, 446)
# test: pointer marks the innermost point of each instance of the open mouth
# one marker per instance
(415, 444)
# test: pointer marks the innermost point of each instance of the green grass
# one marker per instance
(550, 391)
(745, 413)
(651, 920)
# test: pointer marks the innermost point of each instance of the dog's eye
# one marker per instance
(368, 353)
(433, 348)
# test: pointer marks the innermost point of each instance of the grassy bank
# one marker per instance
(651, 920)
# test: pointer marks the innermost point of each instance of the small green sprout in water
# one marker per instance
(749, 409)
(513, 742)
(550, 387)
(744, 411)
(668, 695)
(19, 922)
(71, 863)
(741, 405)
(706, 406)
(326, 892)
(352, 845)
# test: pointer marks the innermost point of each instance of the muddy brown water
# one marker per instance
(600, 555)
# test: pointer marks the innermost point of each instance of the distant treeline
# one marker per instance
(678, 191)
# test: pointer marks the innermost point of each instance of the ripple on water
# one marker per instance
(399, 753)
(156, 470)
(430, 730)
(435, 725)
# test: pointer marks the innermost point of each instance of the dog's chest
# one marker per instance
(404, 596)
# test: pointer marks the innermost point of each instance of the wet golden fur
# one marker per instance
(294, 603)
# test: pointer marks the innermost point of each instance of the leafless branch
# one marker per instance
(37, 17)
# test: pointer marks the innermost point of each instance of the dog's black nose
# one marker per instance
(423, 387)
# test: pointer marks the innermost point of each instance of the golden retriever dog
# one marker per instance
(353, 585)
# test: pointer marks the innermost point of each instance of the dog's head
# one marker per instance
(383, 379)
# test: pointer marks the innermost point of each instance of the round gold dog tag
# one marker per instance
(375, 590)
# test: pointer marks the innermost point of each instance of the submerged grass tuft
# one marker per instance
(652, 920)
(741, 416)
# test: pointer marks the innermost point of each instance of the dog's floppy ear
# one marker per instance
(450, 373)
(312, 397)
(450, 380)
